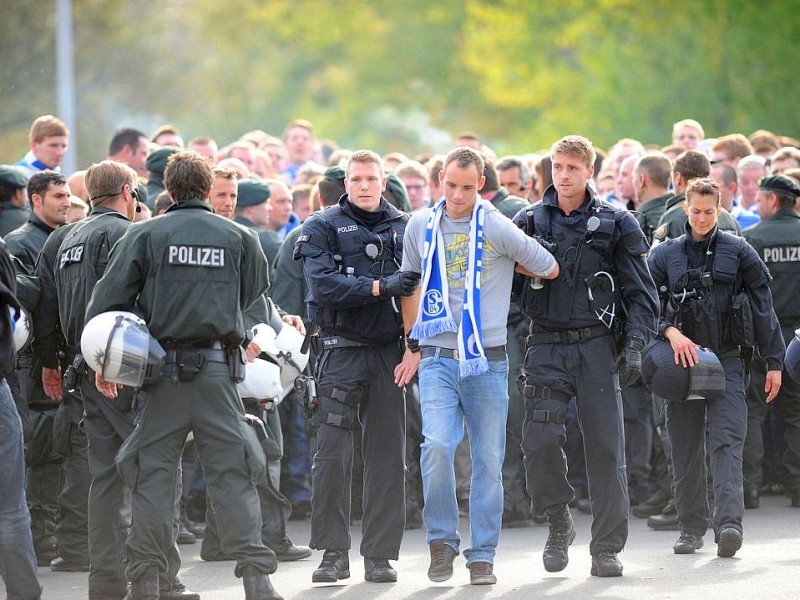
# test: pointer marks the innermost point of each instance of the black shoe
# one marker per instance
(95, 594)
(751, 498)
(688, 543)
(728, 542)
(63, 565)
(300, 511)
(795, 498)
(146, 587)
(335, 565)
(583, 505)
(772, 489)
(195, 528)
(46, 556)
(442, 557)
(286, 551)
(178, 591)
(257, 586)
(184, 535)
(481, 573)
(378, 570)
(666, 521)
(562, 534)
(606, 564)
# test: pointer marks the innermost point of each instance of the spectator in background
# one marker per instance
(731, 149)
(787, 157)
(415, 177)
(206, 146)
(49, 140)
(299, 139)
(513, 175)
(167, 135)
(687, 134)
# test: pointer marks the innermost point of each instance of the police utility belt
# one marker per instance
(184, 361)
(567, 336)
(331, 342)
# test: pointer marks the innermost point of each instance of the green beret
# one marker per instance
(780, 183)
(335, 173)
(252, 192)
(12, 177)
(157, 161)
(397, 189)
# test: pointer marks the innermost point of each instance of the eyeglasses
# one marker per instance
(415, 187)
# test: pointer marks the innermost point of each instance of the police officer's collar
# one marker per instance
(710, 240)
(191, 204)
(385, 212)
(39, 224)
(104, 210)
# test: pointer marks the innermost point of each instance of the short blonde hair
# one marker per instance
(47, 126)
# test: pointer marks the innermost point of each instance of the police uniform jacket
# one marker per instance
(506, 203)
(717, 269)
(189, 273)
(616, 246)
(777, 241)
(651, 212)
(25, 242)
(11, 217)
(288, 282)
(80, 262)
(337, 239)
(270, 242)
(8, 301)
(47, 337)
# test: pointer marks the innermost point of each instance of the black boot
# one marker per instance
(562, 534)
(257, 586)
(146, 587)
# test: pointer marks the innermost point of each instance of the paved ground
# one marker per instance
(767, 566)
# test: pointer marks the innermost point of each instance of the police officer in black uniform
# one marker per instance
(721, 301)
(572, 350)
(13, 197)
(777, 240)
(351, 253)
(49, 196)
(190, 274)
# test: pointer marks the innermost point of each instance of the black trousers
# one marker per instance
(357, 383)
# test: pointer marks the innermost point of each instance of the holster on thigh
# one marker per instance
(544, 404)
(337, 407)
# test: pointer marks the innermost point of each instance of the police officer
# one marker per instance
(351, 254)
(777, 240)
(719, 300)
(13, 197)
(572, 350)
(71, 262)
(190, 274)
(49, 197)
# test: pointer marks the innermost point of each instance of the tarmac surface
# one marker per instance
(767, 566)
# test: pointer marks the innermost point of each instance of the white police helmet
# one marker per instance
(262, 380)
(118, 345)
(792, 360)
(22, 329)
(284, 348)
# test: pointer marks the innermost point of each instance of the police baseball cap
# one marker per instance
(12, 177)
(252, 192)
(779, 183)
(335, 173)
(157, 161)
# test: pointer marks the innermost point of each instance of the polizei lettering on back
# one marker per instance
(779, 254)
(196, 256)
(71, 256)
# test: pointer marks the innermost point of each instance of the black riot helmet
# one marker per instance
(675, 382)
(792, 360)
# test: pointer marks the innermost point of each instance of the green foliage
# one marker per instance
(406, 75)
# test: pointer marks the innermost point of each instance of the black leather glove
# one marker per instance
(551, 247)
(629, 362)
(399, 283)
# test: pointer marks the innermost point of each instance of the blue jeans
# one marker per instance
(447, 402)
(17, 560)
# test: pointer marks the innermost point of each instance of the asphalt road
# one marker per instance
(767, 566)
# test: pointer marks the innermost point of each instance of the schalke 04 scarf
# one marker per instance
(434, 315)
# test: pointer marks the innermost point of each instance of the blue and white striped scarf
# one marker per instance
(434, 315)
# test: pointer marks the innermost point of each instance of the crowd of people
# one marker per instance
(498, 338)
